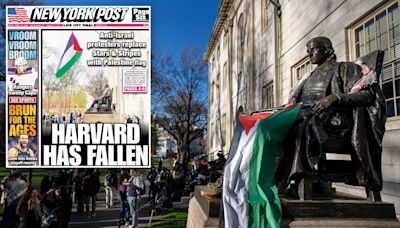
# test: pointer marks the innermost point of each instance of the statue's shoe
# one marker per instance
(290, 193)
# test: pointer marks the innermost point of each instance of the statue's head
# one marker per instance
(320, 49)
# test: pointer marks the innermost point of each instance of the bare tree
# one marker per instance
(161, 66)
(66, 84)
(48, 72)
(97, 83)
(185, 108)
(48, 81)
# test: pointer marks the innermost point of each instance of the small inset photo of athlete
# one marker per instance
(22, 149)
(22, 75)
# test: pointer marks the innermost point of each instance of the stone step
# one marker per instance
(340, 223)
(179, 205)
(337, 209)
(185, 199)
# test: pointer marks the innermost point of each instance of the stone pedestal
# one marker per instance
(203, 211)
(340, 211)
(99, 117)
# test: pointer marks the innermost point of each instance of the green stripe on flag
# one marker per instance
(264, 203)
(68, 65)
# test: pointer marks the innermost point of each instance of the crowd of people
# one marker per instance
(51, 205)
(69, 117)
(166, 186)
(25, 206)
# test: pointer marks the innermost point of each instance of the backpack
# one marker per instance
(142, 190)
(85, 186)
(131, 189)
(90, 184)
(96, 182)
(109, 182)
(134, 189)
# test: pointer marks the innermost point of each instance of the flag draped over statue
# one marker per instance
(71, 55)
(250, 197)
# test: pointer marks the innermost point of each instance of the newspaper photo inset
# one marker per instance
(78, 87)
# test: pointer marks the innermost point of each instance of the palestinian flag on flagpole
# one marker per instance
(70, 56)
(249, 195)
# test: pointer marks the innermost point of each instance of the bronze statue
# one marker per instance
(105, 99)
(334, 113)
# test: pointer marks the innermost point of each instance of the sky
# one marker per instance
(175, 23)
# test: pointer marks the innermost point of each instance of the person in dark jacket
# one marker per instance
(89, 190)
(77, 191)
(151, 176)
(14, 187)
(124, 177)
(45, 185)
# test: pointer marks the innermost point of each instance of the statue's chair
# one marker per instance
(338, 152)
(105, 102)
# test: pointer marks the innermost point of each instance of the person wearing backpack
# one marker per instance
(135, 187)
(110, 181)
(90, 188)
(77, 191)
(124, 210)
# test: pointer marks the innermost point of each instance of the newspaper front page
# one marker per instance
(78, 86)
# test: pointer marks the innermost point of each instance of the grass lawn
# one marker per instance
(175, 219)
(38, 174)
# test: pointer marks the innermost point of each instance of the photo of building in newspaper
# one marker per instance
(78, 87)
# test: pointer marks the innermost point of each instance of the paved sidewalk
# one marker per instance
(108, 217)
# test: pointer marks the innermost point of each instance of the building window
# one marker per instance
(223, 128)
(212, 138)
(381, 30)
(300, 69)
(218, 92)
(241, 33)
(268, 95)
(213, 64)
(265, 14)
(218, 58)
(212, 93)
(240, 83)
(224, 78)
(216, 135)
(225, 39)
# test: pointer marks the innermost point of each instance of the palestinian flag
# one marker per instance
(249, 195)
(70, 56)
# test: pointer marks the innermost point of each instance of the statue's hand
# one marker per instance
(324, 103)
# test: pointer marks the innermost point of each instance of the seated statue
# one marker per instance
(106, 99)
(334, 105)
